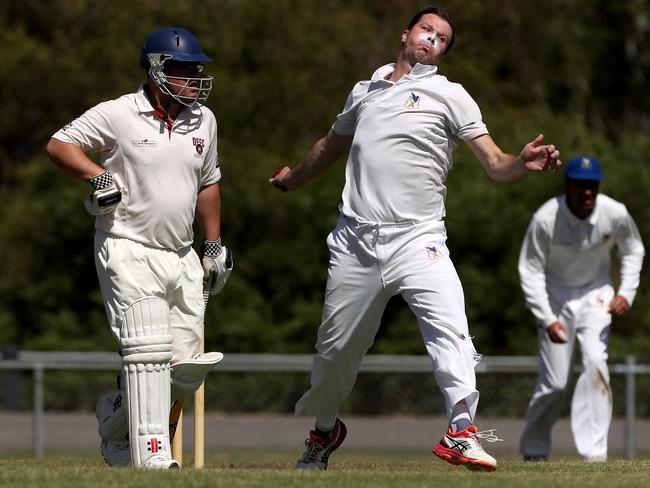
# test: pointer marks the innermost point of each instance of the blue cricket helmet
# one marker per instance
(176, 43)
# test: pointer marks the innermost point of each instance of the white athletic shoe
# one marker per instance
(596, 459)
(463, 448)
(111, 416)
(319, 448)
(113, 429)
(160, 462)
(116, 454)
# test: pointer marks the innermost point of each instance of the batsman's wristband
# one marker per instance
(101, 181)
(212, 249)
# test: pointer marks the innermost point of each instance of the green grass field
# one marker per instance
(270, 469)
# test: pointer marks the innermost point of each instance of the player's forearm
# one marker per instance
(498, 165)
(537, 300)
(505, 167)
(541, 309)
(532, 277)
(71, 159)
(630, 274)
(323, 154)
(316, 161)
(208, 211)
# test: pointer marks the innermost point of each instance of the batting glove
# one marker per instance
(217, 266)
(105, 197)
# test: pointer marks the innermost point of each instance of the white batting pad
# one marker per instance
(187, 375)
(146, 352)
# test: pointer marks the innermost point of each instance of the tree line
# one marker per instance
(576, 70)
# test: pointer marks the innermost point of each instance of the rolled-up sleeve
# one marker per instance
(345, 122)
(92, 131)
(465, 115)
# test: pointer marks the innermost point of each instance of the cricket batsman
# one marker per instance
(157, 171)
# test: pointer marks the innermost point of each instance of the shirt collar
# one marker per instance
(419, 71)
(380, 74)
(423, 71)
(144, 106)
(142, 101)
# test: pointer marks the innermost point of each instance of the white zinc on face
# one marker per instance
(432, 38)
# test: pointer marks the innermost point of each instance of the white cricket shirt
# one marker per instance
(561, 250)
(404, 136)
(158, 171)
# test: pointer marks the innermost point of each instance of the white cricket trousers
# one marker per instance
(583, 312)
(129, 271)
(370, 263)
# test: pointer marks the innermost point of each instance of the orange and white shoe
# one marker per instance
(464, 448)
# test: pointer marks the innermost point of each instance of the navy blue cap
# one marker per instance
(583, 168)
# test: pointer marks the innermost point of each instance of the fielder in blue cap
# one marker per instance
(583, 175)
(565, 273)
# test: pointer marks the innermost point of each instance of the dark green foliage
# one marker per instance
(575, 70)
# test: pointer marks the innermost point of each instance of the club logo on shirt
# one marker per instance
(199, 144)
(143, 142)
(433, 252)
(413, 101)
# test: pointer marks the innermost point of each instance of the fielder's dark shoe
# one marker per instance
(319, 448)
(535, 459)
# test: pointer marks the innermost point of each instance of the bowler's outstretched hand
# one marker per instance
(279, 178)
(539, 157)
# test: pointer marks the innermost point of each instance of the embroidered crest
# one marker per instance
(433, 252)
(199, 144)
(413, 101)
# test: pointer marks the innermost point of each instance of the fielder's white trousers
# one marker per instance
(129, 271)
(369, 263)
(584, 313)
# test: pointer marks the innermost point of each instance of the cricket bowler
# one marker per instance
(400, 128)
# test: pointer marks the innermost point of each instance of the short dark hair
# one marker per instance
(440, 12)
